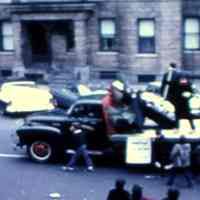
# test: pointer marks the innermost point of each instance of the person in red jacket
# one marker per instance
(111, 101)
(122, 110)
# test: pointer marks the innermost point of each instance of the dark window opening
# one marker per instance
(146, 78)
(6, 72)
(34, 77)
(108, 75)
(146, 45)
(39, 41)
(108, 43)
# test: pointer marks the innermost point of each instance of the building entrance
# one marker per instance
(39, 42)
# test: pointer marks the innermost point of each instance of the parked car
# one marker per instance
(25, 96)
(65, 97)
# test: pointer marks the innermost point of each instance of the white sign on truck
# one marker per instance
(138, 150)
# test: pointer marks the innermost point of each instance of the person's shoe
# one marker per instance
(157, 164)
(168, 167)
(90, 168)
(66, 168)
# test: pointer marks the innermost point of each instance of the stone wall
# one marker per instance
(167, 16)
(168, 23)
(7, 59)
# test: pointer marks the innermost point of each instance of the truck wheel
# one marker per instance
(40, 151)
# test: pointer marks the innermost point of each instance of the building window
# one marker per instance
(7, 42)
(146, 36)
(107, 35)
(191, 34)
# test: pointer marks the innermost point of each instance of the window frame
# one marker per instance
(2, 49)
(139, 38)
(184, 33)
(114, 48)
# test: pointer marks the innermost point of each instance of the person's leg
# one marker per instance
(191, 123)
(74, 158)
(186, 174)
(137, 108)
(162, 171)
(86, 156)
(172, 176)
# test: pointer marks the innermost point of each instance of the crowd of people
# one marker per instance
(120, 193)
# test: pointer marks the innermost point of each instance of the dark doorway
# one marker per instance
(39, 42)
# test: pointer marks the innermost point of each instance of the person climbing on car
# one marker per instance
(79, 132)
(176, 88)
(118, 103)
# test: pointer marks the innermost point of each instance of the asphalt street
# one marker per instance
(22, 179)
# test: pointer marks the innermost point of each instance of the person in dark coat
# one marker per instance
(137, 193)
(176, 88)
(161, 153)
(171, 79)
(172, 194)
(79, 132)
(119, 193)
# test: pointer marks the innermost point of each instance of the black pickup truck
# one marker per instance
(46, 135)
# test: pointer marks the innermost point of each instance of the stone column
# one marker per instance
(80, 41)
(80, 30)
(19, 67)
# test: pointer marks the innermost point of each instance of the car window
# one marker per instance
(87, 110)
(79, 111)
(94, 111)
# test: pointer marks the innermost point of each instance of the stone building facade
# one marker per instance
(136, 39)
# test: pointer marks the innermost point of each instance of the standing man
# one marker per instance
(168, 82)
(181, 159)
(79, 132)
(160, 153)
(176, 88)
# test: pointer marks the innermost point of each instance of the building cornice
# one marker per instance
(52, 7)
